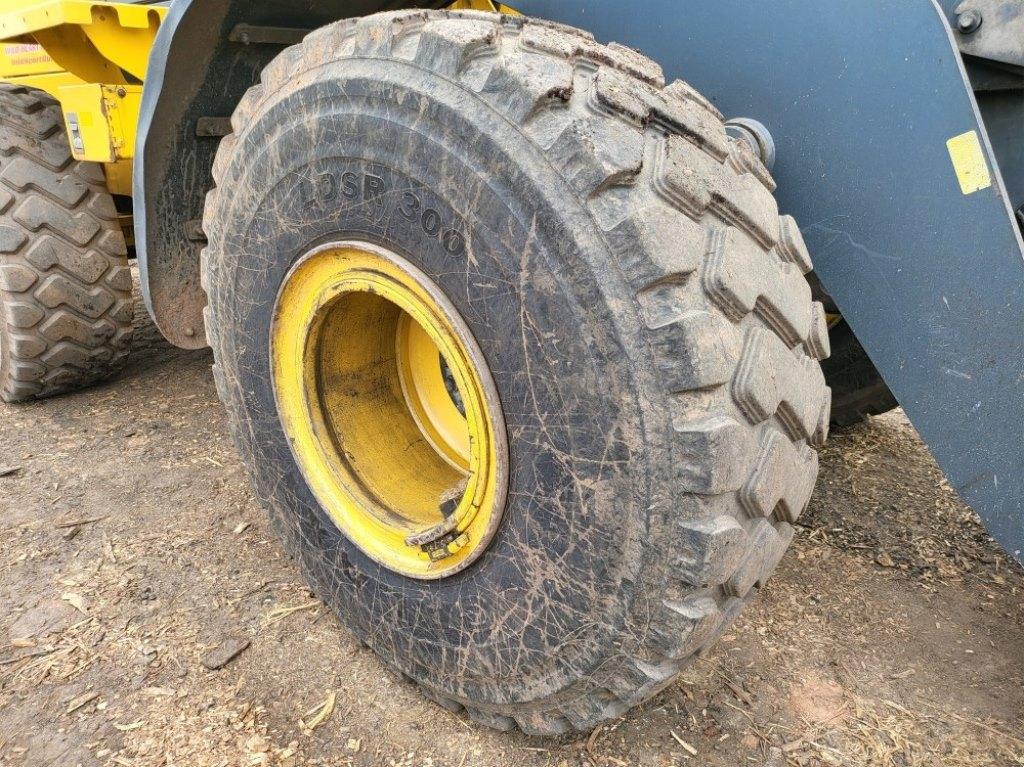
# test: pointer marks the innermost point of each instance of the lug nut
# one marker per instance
(968, 22)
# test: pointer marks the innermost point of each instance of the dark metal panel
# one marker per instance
(1003, 111)
(197, 72)
(861, 97)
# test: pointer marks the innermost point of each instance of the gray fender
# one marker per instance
(201, 64)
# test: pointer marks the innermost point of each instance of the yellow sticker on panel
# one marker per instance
(969, 162)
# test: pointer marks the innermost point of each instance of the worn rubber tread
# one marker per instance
(735, 344)
(65, 287)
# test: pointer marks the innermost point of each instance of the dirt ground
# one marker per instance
(132, 557)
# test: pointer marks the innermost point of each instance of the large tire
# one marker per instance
(858, 390)
(640, 303)
(65, 285)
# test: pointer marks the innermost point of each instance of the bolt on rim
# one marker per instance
(390, 410)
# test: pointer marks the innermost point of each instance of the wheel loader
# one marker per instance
(513, 310)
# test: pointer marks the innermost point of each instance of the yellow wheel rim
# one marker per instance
(390, 409)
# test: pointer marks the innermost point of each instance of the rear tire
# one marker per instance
(65, 285)
(858, 390)
(639, 302)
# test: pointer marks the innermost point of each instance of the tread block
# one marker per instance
(28, 346)
(283, 67)
(543, 723)
(664, 301)
(498, 722)
(111, 241)
(740, 277)
(730, 610)
(442, 700)
(570, 45)
(27, 372)
(123, 311)
(641, 103)
(743, 160)
(121, 341)
(72, 355)
(683, 626)
(783, 479)
(448, 47)
(587, 711)
(522, 92)
(693, 121)
(52, 154)
(11, 238)
(16, 278)
(621, 94)
(64, 326)
(21, 174)
(696, 182)
(699, 349)
(102, 207)
(24, 314)
(768, 544)
(817, 343)
(791, 245)
(120, 278)
(247, 107)
(378, 35)
(89, 172)
(654, 243)
(47, 252)
(773, 380)
(592, 155)
(683, 90)
(820, 435)
(637, 680)
(327, 43)
(58, 290)
(711, 550)
(37, 212)
(225, 153)
(715, 455)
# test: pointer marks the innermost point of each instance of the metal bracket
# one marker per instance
(213, 127)
(991, 29)
(251, 34)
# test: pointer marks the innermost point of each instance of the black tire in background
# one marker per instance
(640, 303)
(858, 390)
(65, 286)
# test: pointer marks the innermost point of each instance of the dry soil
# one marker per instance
(132, 557)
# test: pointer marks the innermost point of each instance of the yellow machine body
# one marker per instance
(92, 58)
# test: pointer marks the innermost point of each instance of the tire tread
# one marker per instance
(65, 287)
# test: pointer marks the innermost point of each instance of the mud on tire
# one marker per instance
(641, 305)
(65, 286)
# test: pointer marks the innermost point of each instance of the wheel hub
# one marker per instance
(390, 410)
